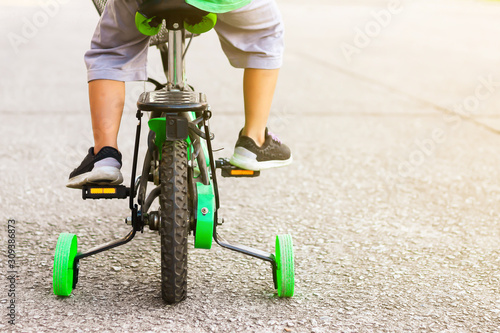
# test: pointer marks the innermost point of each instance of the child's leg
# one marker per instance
(118, 53)
(258, 91)
(107, 98)
(252, 38)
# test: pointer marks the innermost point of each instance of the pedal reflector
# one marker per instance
(105, 192)
(241, 172)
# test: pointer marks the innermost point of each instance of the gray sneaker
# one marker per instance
(272, 154)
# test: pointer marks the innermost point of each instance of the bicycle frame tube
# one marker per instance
(176, 77)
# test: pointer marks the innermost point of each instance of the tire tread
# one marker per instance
(174, 224)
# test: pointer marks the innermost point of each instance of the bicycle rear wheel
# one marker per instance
(174, 226)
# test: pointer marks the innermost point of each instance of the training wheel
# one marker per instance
(285, 272)
(62, 278)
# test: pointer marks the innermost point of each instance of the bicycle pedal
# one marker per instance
(105, 192)
(229, 170)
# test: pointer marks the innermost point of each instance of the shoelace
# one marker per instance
(274, 137)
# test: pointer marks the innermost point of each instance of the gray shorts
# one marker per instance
(251, 37)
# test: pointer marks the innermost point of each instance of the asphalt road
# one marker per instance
(391, 110)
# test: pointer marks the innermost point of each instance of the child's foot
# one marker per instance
(272, 154)
(102, 169)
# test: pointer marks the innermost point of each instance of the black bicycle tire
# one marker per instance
(174, 226)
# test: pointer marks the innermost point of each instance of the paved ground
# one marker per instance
(392, 200)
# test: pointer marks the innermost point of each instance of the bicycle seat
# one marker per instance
(172, 11)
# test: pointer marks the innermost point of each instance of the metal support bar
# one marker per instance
(97, 249)
(134, 163)
(207, 115)
(106, 246)
(245, 249)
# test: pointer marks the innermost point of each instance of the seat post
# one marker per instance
(176, 75)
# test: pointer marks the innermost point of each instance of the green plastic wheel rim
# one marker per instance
(206, 24)
(285, 271)
(142, 24)
(62, 278)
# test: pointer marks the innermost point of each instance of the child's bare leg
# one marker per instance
(107, 98)
(258, 91)
(256, 148)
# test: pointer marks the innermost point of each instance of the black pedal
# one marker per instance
(105, 192)
(229, 170)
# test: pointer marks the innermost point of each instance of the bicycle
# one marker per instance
(179, 162)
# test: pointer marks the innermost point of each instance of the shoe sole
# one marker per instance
(252, 164)
(99, 176)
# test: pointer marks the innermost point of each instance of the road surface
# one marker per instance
(391, 111)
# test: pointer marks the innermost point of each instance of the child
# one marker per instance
(251, 37)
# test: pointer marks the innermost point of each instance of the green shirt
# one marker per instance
(218, 6)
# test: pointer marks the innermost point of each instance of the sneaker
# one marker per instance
(273, 153)
(102, 169)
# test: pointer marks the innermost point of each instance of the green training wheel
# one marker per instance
(285, 272)
(62, 278)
